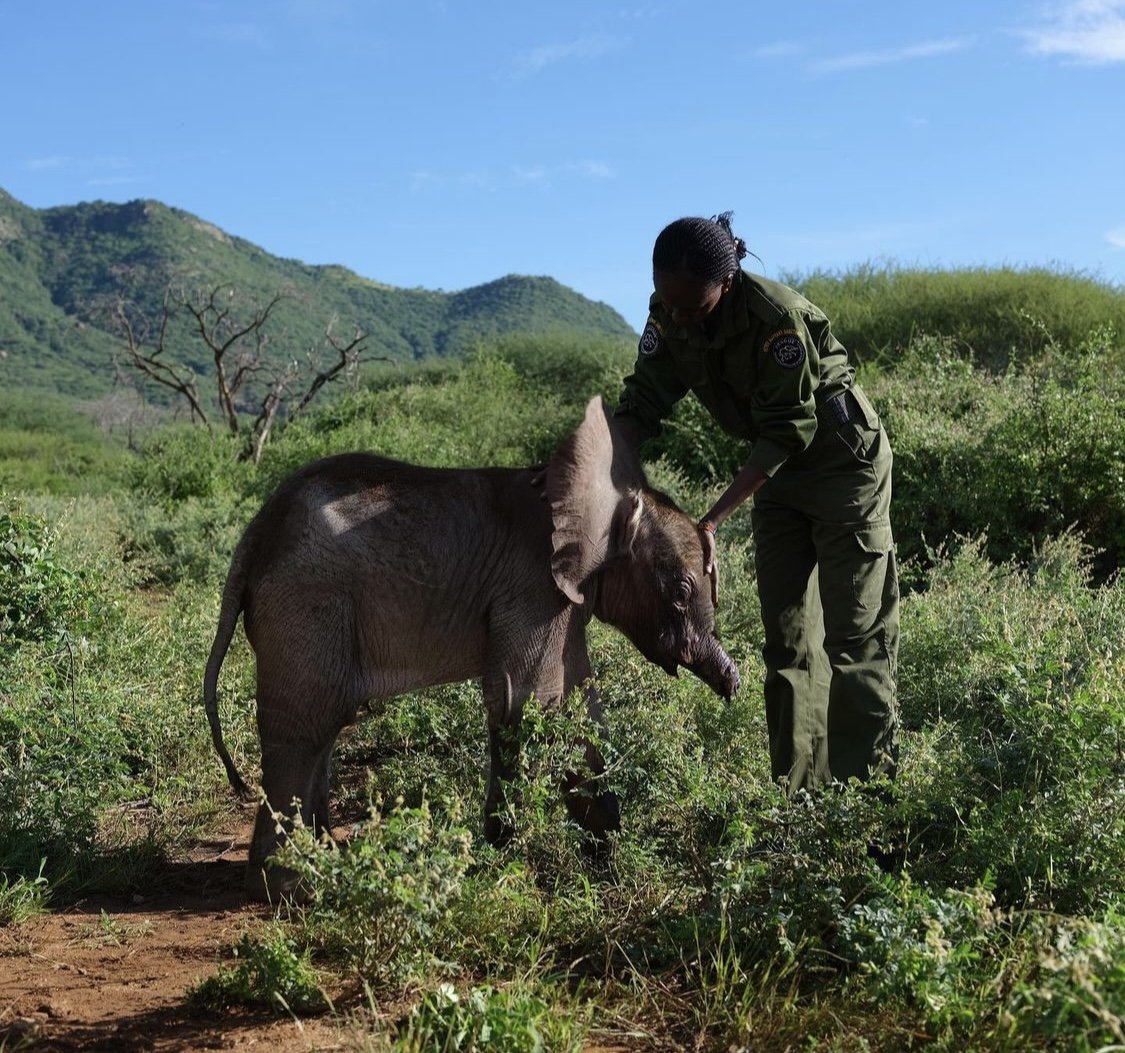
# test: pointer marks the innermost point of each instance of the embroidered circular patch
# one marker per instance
(650, 340)
(787, 348)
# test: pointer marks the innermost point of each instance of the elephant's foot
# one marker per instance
(597, 813)
(497, 832)
(268, 883)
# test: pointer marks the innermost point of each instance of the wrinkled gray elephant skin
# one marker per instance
(362, 578)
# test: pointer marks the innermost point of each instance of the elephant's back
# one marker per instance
(362, 513)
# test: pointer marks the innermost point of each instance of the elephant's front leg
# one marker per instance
(590, 805)
(503, 749)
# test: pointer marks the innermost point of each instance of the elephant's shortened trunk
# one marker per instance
(717, 670)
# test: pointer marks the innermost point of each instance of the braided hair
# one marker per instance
(707, 249)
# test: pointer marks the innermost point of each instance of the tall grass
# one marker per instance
(993, 315)
(725, 916)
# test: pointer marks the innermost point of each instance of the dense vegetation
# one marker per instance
(64, 269)
(726, 916)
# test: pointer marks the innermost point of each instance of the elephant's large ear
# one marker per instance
(589, 480)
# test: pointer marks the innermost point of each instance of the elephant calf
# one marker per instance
(362, 578)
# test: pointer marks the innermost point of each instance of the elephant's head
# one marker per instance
(630, 551)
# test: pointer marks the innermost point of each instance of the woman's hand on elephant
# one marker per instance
(710, 559)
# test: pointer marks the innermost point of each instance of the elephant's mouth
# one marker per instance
(715, 668)
(718, 672)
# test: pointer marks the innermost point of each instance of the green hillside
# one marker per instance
(63, 269)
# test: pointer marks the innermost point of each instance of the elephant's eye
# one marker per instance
(682, 595)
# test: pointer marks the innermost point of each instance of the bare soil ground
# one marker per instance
(112, 973)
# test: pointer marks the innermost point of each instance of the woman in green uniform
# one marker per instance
(766, 365)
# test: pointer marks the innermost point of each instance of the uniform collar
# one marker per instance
(734, 317)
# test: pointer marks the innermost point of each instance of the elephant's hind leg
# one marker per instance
(294, 769)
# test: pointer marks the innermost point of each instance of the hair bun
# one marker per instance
(723, 219)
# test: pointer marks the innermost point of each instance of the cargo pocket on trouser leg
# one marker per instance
(860, 599)
(873, 566)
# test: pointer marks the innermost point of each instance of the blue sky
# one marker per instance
(444, 144)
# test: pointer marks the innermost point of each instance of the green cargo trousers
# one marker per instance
(828, 587)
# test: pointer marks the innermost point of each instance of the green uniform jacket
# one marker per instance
(771, 362)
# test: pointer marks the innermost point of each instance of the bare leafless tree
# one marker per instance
(152, 363)
(237, 340)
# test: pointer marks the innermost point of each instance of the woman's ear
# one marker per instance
(728, 283)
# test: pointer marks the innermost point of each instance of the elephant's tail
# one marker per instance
(230, 609)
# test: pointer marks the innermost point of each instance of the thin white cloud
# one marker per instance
(528, 63)
(536, 175)
(779, 49)
(44, 164)
(1091, 32)
(1116, 237)
(891, 56)
(238, 34)
(83, 164)
(119, 180)
(529, 175)
(592, 169)
(423, 179)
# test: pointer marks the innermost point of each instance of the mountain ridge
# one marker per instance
(63, 268)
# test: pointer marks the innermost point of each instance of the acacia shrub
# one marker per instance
(484, 413)
(1009, 685)
(1019, 456)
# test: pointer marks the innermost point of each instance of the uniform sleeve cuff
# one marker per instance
(645, 429)
(768, 456)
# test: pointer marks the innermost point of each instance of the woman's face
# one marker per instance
(690, 300)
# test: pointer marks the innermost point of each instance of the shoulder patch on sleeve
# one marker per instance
(786, 348)
(650, 340)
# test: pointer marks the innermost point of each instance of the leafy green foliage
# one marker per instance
(188, 506)
(22, 898)
(99, 715)
(38, 594)
(1013, 676)
(1037, 450)
(1069, 984)
(487, 1018)
(993, 315)
(974, 904)
(49, 445)
(910, 944)
(268, 972)
(378, 902)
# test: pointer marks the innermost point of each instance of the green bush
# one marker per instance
(40, 598)
(100, 726)
(482, 414)
(912, 946)
(487, 1018)
(180, 462)
(191, 497)
(269, 972)
(1010, 680)
(1021, 456)
(49, 444)
(1069, 985)
(993, 314)
(377, 903)
(564, 368)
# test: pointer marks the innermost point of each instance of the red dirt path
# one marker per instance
(71, 980)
